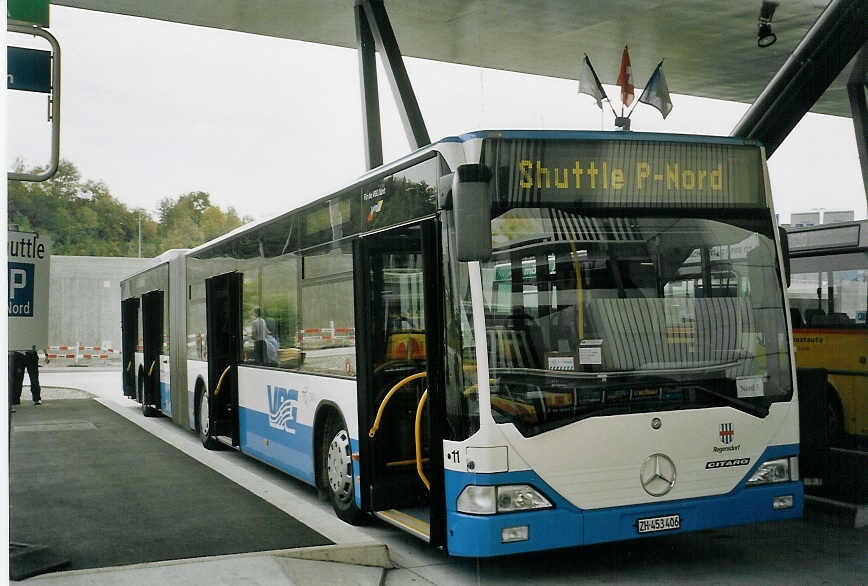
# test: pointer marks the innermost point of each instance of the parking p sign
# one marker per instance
(20, 289)
(28, 280)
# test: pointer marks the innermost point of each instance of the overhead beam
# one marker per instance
(856, 88)
(820, 56)
(393, 62)
(371, 129)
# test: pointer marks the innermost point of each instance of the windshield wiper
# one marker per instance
(758, 411)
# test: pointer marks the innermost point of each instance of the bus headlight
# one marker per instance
(773, 471)
(477, 500)
(520, 497)
(510, 498)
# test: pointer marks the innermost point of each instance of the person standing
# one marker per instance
(16, 376)
(27, 360)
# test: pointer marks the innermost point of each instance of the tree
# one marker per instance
(84, 218)
(190, 220)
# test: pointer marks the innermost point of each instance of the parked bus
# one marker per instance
(828, 299)
(503, 342)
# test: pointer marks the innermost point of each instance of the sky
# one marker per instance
(157, 109)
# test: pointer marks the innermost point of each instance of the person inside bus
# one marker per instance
(272, 346)
(259, 333)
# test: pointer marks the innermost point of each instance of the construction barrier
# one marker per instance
(78, 355)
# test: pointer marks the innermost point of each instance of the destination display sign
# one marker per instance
(623, 173)
(825, 237)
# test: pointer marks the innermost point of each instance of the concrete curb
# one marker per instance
(358, 554)
(372, 555)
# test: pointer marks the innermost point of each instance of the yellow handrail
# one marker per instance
(389, 363)
(220, 381)
(419, 440)
(150, 370)
(403, 462)
(388, 396)
(130, 365)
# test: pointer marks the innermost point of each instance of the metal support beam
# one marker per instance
(387, 45)
(370, 97)
(819, 57)
(856, 87)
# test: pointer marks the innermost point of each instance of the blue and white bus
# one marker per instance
(506, 341)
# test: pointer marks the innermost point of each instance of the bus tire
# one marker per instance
(337, 468)
(203, 422)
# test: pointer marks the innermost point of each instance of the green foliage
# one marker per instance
(83, 218)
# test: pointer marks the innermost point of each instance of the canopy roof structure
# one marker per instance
(710, 47)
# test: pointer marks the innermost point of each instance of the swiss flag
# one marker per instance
(625, 79)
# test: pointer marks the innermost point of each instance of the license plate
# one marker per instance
(655, 524)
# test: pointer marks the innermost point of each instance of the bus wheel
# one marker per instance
(203, 424)
(337, 466)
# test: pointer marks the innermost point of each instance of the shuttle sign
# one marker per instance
(28, 278)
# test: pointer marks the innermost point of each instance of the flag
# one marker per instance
(625, 78)
(656, 92)
(590, 84)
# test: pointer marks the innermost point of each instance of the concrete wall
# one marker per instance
(85, 299)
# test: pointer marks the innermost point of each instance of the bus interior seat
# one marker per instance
(560, 327)
(814, 316)
(510, 348)
(796, 318)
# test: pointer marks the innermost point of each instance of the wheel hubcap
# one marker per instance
(203, 415)
(340, 467)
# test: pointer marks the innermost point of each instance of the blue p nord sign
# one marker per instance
(20, 289)
(29, 262)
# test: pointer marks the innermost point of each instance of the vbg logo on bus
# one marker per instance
(282, 408)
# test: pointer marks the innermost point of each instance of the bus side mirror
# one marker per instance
(471, 204)
(785, 252)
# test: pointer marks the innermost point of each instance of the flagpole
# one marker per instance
(636, 103)
(600, 87)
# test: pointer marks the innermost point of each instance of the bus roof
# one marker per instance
(393, 166)
(599, 135)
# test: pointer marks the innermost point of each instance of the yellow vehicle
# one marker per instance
(828, 297)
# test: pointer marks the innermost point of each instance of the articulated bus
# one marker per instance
(506, 341)
(828, 298)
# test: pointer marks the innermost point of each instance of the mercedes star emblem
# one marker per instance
(657, 475)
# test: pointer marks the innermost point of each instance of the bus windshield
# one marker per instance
(604, 315)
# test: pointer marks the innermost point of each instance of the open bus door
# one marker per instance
(223, 307)
(401, 401)
(129, 337)
(152, 339)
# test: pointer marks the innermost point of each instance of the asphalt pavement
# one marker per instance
(819, 549)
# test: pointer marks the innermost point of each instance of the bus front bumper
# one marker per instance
(566, 526)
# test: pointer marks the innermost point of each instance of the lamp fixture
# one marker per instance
(765, 37)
